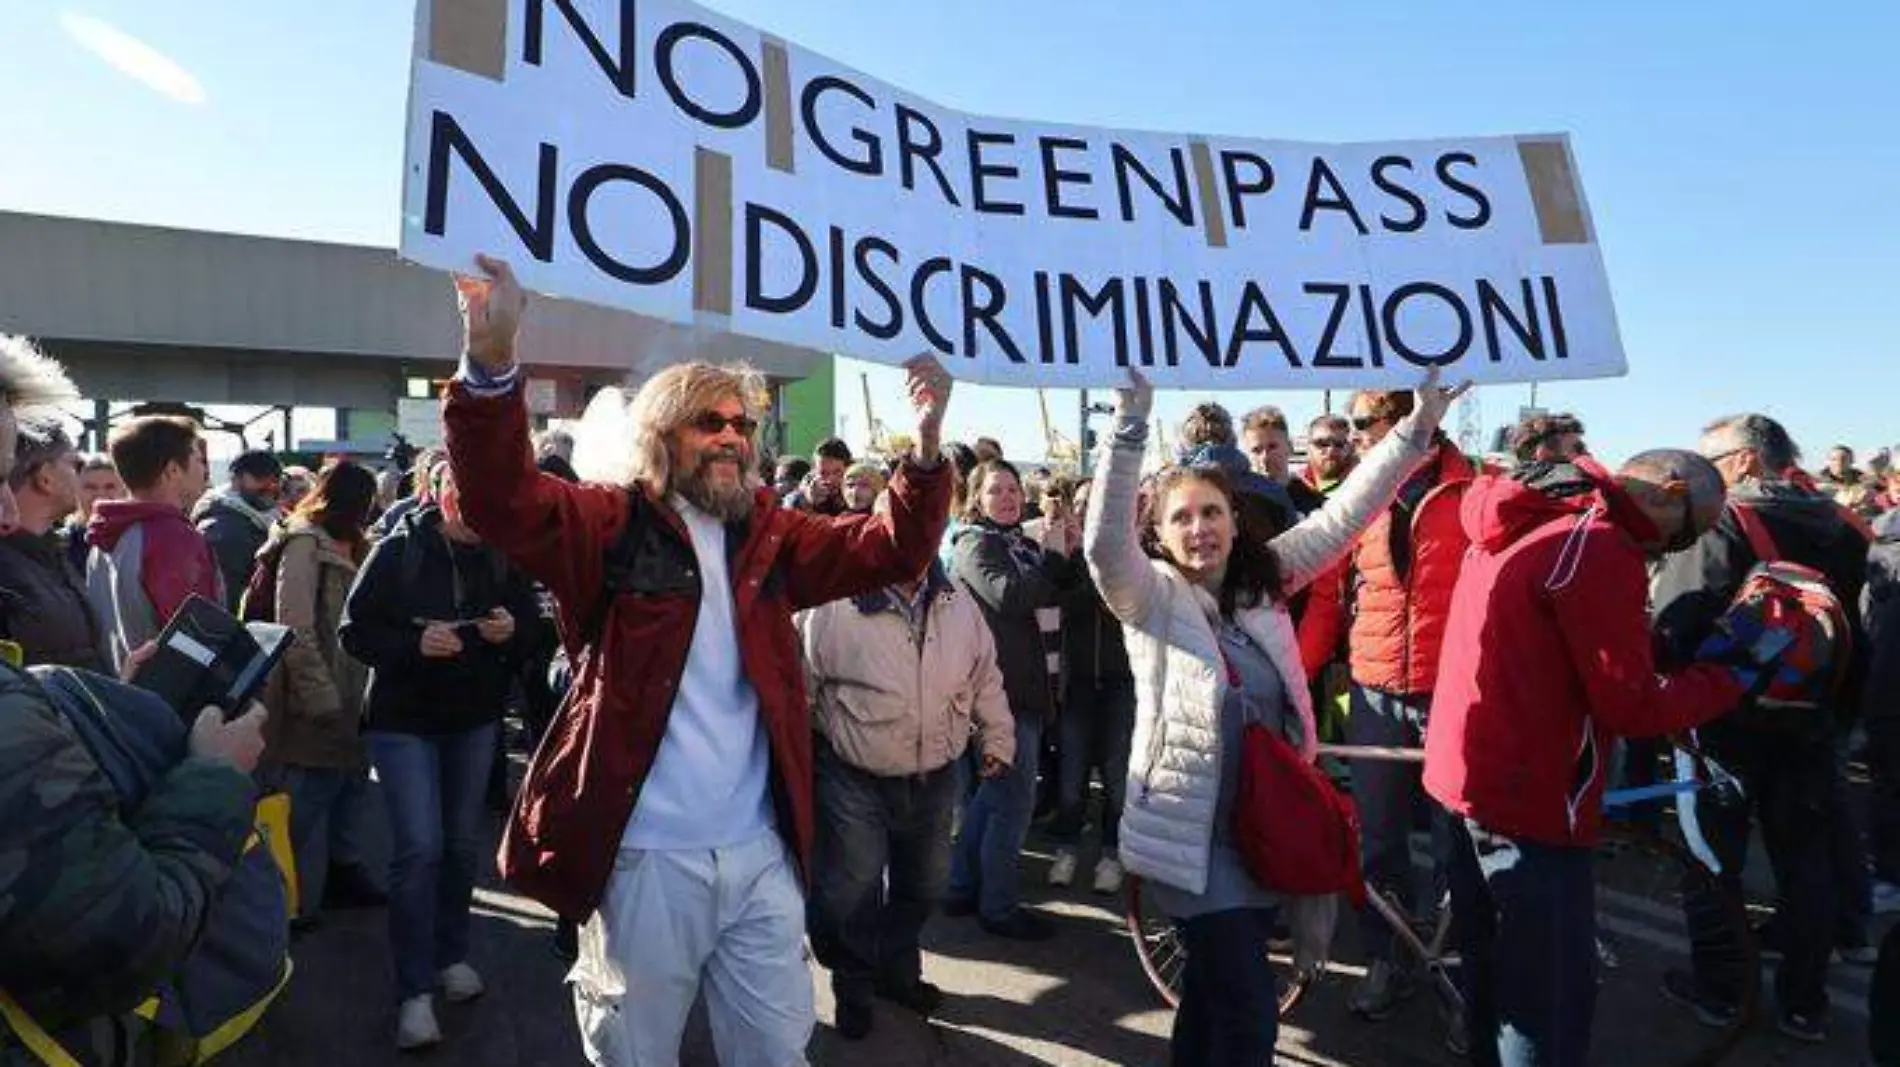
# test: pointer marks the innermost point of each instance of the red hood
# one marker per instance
(1499, 509)
(111, 518)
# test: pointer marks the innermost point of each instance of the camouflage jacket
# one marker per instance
(100, 901)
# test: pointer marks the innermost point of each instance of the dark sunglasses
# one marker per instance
(1327, 443)
(712, 422)
(1362, 423)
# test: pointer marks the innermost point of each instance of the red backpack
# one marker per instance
(1296, 832)
(1782, 595)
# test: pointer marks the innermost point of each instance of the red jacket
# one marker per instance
(1400, 620)
(1548, 655)
(1322, 623)
(565, 832)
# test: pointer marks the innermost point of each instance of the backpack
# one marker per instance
(258, 602)
(241, 960)
(1295, 831)
(1779, 594)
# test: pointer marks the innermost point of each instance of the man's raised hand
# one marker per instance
(492, 306)
(929, 386)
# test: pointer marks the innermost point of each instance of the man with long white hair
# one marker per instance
(670, 809)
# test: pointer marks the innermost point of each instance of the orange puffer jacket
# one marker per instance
(1406, 576)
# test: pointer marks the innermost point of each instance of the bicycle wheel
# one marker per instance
(1163, 955)
(1644, 882)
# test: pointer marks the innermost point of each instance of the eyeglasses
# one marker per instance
(712, 423)
(1362, 423)
(1327, 443)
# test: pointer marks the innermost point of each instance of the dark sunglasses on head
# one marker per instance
(1328, 443)
(1362, 423)
(712, 422)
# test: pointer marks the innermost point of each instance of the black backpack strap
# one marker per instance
(617, 566)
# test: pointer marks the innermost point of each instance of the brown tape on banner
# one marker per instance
(778, 106)
(1560, 218)
(1213, 219)
(712, 232)
(470, 35)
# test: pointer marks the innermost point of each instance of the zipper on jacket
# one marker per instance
(1405, 641)
(1155, 745)
(920, 639)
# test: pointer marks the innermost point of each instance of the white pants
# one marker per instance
(731, 920)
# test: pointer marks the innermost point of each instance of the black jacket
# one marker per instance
(416, 575)
(1306, 499)
(1880, 614)
(1694, 587)
(1010, 595)
(43, 605)
(1094, 651)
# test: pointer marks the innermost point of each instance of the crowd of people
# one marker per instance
(827, 699)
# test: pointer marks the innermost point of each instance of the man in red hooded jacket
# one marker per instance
(1547, 657)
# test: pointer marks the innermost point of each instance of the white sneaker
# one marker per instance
(1108, 876)
(1886, 898)
(1062, 871)
(415, 1024)
(460, 983)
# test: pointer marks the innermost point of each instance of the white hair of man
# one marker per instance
(29, 378)
(1755, 433)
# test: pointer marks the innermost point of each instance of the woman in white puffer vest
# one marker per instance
(1200, 583)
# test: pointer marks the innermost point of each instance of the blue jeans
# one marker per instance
(878, 869)
(1390, 795)
(1230, 1000)
(1525, 916)
(1097, 726)
(432, 785)
(995, 825)
(325, 826)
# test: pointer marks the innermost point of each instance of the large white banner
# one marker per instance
(660, 158)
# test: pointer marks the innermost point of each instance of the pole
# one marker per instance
(1082, 433)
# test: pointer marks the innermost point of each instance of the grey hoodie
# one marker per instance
(235, 526)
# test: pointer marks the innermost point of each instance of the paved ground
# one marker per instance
(1080, 999)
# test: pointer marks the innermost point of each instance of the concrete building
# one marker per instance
(145, 313)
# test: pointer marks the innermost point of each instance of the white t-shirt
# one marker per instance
(708, 787)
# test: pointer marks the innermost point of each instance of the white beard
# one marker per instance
(729, 503)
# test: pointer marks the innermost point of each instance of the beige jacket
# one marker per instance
(891, 711)
(316, 694)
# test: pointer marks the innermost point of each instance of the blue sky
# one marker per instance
(1742, 159)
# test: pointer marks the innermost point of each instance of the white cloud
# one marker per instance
(133, 58)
